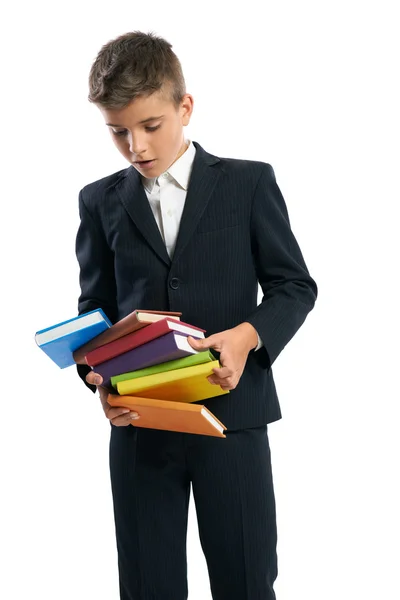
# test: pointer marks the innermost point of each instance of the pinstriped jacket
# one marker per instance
(234, 233)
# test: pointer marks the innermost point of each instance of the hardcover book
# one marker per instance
(171, 365)
(171, 416)
(182, 385)
(61, 340)
(138, 338)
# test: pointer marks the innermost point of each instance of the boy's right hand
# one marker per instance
(117, 415)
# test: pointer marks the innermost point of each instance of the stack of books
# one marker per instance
(147, 364)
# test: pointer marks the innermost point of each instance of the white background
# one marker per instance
(310, 87)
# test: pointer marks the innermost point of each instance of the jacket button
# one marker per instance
(174, 283)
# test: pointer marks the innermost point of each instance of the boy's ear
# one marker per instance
(187, 108)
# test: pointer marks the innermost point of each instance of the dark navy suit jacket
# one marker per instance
(234, 233)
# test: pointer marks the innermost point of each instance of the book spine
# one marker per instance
(127, 343)
(154, 352)
(187, 361)
(131, 341)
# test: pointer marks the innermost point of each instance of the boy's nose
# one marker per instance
(137, 147)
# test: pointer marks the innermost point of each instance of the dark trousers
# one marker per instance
(151, 473)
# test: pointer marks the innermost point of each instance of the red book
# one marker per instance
(135, 320)
(142, 336)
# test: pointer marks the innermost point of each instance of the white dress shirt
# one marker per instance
(167, 194)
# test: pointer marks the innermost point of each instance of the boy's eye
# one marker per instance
(124, 131)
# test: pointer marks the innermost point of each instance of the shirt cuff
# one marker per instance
(260, 343)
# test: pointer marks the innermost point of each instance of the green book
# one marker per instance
(187, 361)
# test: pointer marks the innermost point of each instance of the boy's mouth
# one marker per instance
(145, 164)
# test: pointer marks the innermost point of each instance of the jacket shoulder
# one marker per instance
(241, 164)
(101, 186)
(247, 171)
(231, 165)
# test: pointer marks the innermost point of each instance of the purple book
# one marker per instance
(170, 346)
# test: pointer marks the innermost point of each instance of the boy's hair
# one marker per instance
(135, 64)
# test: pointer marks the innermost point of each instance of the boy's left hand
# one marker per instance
(234, 346)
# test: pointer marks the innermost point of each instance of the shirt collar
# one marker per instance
(180, 170)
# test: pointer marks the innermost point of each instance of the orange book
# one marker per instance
(171, 416)
(132, 322)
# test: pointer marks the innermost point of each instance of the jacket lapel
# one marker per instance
(135, 201)
(202, 182)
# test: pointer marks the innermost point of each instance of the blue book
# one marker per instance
(61, 340)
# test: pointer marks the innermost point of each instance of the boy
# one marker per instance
(183, 230)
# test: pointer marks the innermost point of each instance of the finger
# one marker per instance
(194, 342)
(120, 416)
(216, 380)
(94, 378)
(223, 372)
(228, 387)
(203, 343)
(227, 383)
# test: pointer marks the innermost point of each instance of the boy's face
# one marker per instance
(150, 129)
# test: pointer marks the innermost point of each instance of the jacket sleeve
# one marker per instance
(289, 292)
(96, 276)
